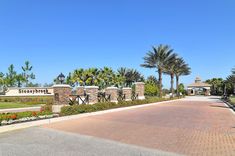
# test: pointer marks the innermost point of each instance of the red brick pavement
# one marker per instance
(183, 127)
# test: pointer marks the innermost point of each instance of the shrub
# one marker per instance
(151, 89)
(77, 109)
(46, 107)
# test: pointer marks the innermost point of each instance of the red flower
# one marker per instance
(13, 116)
(34, 113)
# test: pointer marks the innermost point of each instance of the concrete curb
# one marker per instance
(229, 105)
(65, 118)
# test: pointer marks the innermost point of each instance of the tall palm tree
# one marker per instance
(170, 70)
(233, 71)
(158, 59)
(181, 69)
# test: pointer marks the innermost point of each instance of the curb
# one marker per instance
(19, 126)
(229, 105)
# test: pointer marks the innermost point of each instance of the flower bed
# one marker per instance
(10, 118)
(77, 109)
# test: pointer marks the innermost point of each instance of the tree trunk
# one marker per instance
(177, 85)
(172, 85)
(160, 82)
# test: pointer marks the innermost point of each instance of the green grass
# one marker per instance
(8, 105)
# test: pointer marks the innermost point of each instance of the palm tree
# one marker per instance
(130, 76)
(170, 70)
(87, 77)
(230, 80)
(106, 77)
(152, 79)
(233, 71)
(122, 71)
(181, 69)
(158, 59)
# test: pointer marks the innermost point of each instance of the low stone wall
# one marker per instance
(62, 94)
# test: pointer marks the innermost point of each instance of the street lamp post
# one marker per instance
(61, 78)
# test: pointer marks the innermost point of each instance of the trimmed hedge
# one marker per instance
(31, 100)
(232, 100)
(78, 109)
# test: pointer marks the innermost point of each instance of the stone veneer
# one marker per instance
(92, 91)
(113, 91)
(61, 96)
(80, 90)
(128, 93)
(139, 89)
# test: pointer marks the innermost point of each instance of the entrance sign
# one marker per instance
(29, 91)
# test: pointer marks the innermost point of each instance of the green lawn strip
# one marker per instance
(8, 105)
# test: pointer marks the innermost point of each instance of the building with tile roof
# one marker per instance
(199, 88)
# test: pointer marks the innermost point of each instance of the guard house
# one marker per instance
(199, 88)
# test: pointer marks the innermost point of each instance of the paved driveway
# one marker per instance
(193, 126)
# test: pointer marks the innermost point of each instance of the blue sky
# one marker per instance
(62, 35)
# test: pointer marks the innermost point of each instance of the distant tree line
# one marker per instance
(103, 77)
(221, 86)
(14, 79)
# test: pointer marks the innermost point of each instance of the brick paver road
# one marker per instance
(194, 126)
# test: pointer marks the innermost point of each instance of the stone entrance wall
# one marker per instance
(62, 94)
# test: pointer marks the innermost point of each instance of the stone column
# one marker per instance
(92, 91)
(113, 91)
(139, 89)
(61, 96)
(128, 93)
(207, 92)
(80, 90)
(189, 92)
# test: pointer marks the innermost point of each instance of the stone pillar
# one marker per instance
(113, 91)
(92, 91)
(139, 89)
(80, 90)
(189, 92)
(207, 92)
(128, 93)
(61, 96)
